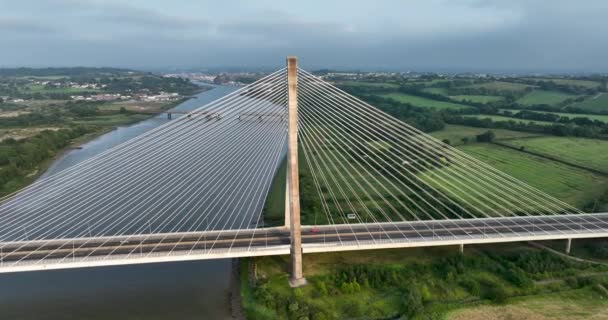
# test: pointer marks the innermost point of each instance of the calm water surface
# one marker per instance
(184, 290)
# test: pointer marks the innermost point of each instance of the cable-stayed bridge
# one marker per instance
(195, 188)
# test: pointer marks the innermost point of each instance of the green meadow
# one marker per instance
(424, 102)
(544, 97)
(572, 185)
(597, 103)
(591, 153)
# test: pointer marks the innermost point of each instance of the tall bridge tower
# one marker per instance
(292, 203)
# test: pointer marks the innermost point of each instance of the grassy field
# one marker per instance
(441, 91)
(603, 118)
(503, 118)
(544, 97)
(424, 102)
(574, 186)
(501, 86)
(574, 304)
(455, 133)
(571, 82)
(598, 103)
(590, 153)
(477, 98)
(371, 84)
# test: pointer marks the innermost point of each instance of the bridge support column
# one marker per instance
(287, 211)
(297, 279)
(461, 248)
(568, 245)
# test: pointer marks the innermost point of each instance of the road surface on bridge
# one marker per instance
(61, 253)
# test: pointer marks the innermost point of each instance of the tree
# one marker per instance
(412, 302)
(487, 136)
(464, 140)
(446, 141)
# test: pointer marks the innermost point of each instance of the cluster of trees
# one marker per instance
(549, 85)
(19, 157)
(149, 83)
(550, 117)
(508, 95)
(421, 118)
(417, 283)
(32, 119)
(557, 129)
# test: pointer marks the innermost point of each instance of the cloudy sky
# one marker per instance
(475, 35)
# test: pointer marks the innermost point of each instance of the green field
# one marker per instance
(574, 186)
(441, 91)
(455, 133)
(571, 82)
(503, 118)
(603, 118)
(424, 102)
(477, 98)
(580, 304)
(589, 153)
(501, 86)
(598, 103)
(371, 84)
(544, 97)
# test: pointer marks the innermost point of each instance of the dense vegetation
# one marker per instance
(21, 159)
(418, 284)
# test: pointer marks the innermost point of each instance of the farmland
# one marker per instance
(597, 103)
(501, 86)
(371, 84)
(603, 118)
(571, 82)
(574, 186)
(424, 102)
(544, 97)
(577, 304)
(503, 118)
(590, 153)
(477, 98)
(455, 134)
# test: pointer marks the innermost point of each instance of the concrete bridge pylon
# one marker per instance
(293, 184)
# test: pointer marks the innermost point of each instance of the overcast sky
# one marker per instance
(475, 35)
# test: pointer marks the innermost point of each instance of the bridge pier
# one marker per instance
(461, 248)
(568, 245)
(297, 279)
(287, 211)
(168, 115)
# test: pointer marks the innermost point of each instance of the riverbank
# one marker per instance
(417, 283)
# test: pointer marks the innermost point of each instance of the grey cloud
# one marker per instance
(18, 26)
(434, 34)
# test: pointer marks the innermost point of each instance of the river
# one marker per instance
(184, 290)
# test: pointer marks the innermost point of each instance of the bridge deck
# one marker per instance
(118, 250)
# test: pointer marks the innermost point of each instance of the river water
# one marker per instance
(183, 290)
